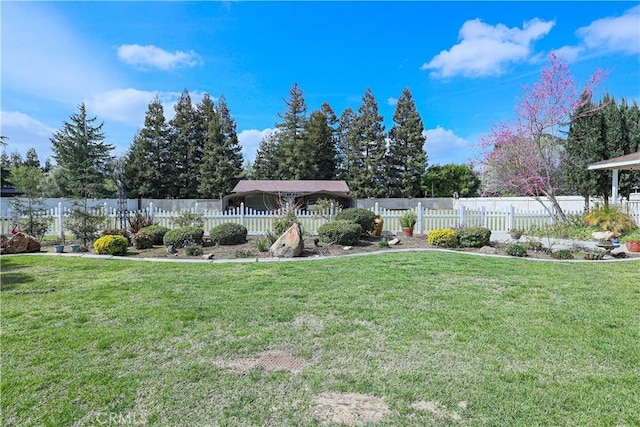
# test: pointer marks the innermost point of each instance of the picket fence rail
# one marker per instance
(260, 222)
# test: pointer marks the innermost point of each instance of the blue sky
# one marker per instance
(464, 62)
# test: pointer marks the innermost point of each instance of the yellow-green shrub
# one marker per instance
(444, 237)
(111, 245)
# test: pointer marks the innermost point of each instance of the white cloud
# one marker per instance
(486, 50)
(250, 140)
(42, 56)
(24, 132)
(129, 106)
(614, 33)
(444, 146)
(154, 57)
(569, 53)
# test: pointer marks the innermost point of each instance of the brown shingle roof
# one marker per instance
(629, 161)
(303, 186)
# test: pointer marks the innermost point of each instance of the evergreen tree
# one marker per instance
(221, 166)
(31, 159)
(320, 155)
(16, 159)
(444, 181)
(5, 170)
(406, 161)
(584, 145)
(291, 149)
(147, 169)
(265, 165)
(631, 130)
(348, 155)
(82, 155)
(370, 141)
(186, 146)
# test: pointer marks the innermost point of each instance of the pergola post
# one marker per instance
(614, 186)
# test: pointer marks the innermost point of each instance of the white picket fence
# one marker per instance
(260, 222)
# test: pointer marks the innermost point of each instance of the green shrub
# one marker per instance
(228, 233)
(562, 254)
(143, 239)
(340, 232)
(188, 219)
(116, 232)
(111, 245)
(158, 233)
(515, 249)
(181, 237)
(383, 244)
(140, 220)
(408, 219)
(263, 243)
(363, 217)
(474, 237)
(284, 222)
(193, 250)
(443, 237)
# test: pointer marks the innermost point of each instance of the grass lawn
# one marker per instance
(425, 338)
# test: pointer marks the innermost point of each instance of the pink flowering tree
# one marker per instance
(523, 156)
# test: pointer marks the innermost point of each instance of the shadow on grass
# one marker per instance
(10, 277)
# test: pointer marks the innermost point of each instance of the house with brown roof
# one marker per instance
(269, 195)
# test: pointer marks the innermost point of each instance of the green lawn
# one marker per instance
(472, 340)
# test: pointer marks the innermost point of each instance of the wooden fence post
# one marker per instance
(511, 220)
(60, 221)
(242, 213)
(419, 215)
(461, 216)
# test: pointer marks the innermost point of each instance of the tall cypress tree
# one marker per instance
(291, 148)
(82, 155)
(631, 130)
(221, 166)
(349, 157)
(370, 181)
(321, 152)
(186, 140)
(147, 171)
(265, 165)
(406, 161)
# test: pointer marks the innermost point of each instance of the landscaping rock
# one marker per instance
(207, 256)
(394, 242)
(602, 235)
(19, 244)
(488, 250)
(290, 244)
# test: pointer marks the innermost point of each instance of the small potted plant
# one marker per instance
(407, 222)
(632, 241)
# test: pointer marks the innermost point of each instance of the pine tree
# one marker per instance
(631, 131)
(348, 156)
(221, 166)
(265, 165)
(147, 171)
(291, 150)
(320, 155)
(406, 161)
(585, 145)
(186, 146)
(31, 159)
(370, 141)
(5, 170)
(83, 156)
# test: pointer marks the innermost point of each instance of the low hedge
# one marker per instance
(228, 233)
(180, 237)
(143, 239)
(111, 244)
(340, 232)
(365, 218)
(158, 233)
(474, 237)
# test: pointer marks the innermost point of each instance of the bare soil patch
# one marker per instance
(348, 408)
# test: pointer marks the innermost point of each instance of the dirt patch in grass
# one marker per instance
(348, 408)
(439, 410)
(272, 360)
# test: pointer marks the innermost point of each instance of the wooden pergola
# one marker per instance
(626, 162)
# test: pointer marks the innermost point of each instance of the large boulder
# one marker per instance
(290, 244)
(19, 243)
